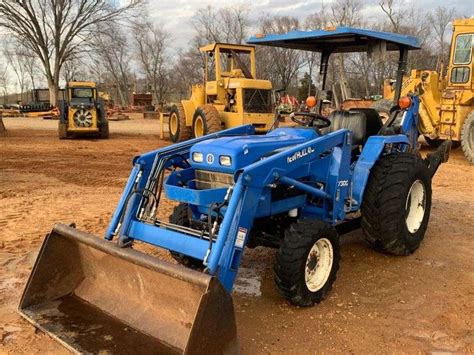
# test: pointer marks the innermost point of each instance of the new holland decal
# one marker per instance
(300, 154)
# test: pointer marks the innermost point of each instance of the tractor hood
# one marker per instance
(245, 150)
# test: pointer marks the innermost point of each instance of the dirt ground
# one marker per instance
(420, 303)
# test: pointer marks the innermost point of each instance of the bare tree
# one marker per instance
(395, 16)
(229, 24)
(151, 44)
(187, 71)
(318, 20)
(4, 82)
(16, 60)
(55, 30)
(30, 64)
(279, 65)
(112, 52)
(440, 19)
(345, 13)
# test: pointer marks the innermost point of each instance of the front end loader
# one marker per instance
(296, 189)
(230, 96)
(446, 97)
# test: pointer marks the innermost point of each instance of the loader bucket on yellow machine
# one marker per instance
(94, 297)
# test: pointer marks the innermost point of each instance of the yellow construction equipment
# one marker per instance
(82, 112)
(230, 96)
(446, 100)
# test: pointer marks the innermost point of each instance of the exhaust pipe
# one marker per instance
(92, 296)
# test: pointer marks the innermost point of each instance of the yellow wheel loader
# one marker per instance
(83, 112)
(230, 96)
(446, 101)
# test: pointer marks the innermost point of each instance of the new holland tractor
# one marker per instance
(82, 113)
(446, 100)
(296, 189)
(231, 95)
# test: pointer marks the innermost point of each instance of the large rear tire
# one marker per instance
(397, 204)
(181, 217)
(467, 138)
(177, 124)
(307, 262)
(206, 120)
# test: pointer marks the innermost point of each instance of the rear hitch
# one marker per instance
(439, 156)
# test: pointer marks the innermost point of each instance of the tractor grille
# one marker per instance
(82, 118)
(257, 101)
(212, 180)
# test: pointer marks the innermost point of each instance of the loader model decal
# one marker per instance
(298, 155)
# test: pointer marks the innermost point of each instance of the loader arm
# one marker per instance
(325, 158)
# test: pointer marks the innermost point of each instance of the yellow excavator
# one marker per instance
(446, 100)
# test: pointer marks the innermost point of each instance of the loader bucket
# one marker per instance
(94, 297)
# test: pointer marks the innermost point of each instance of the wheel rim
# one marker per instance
(198, 127)
(415, 206)
(173, 124)
(319, 264)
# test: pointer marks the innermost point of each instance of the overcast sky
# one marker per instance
(176, 15)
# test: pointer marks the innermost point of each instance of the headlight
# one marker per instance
(198, 157)
(225, 160)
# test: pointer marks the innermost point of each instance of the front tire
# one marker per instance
(397, 204)
(467, 138)
(307, 262)
(206, 120)
(181, 217)
(104, 130)
(62, 130)
(177, 125)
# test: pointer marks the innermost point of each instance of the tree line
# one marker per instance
(117, 44)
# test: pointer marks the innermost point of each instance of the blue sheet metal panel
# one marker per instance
(168, 239)
(338, 181)
(195, 197)
(410, 123)
(287, 162)
(179, 186)
(148, 158)
(245, 150)
(370, 154)
(293, 39)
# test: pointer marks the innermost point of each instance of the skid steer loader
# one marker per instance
(296, 189)
(82, 113)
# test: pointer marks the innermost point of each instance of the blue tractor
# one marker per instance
(296, 189)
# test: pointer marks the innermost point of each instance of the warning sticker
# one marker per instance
(239, 242)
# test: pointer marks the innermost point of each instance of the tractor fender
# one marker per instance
(371, 152)
(189, 108)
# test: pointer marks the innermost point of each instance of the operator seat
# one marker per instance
(374, 122)
(355, 122)
(363, 122)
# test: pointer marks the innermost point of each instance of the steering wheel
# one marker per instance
(311, 118)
